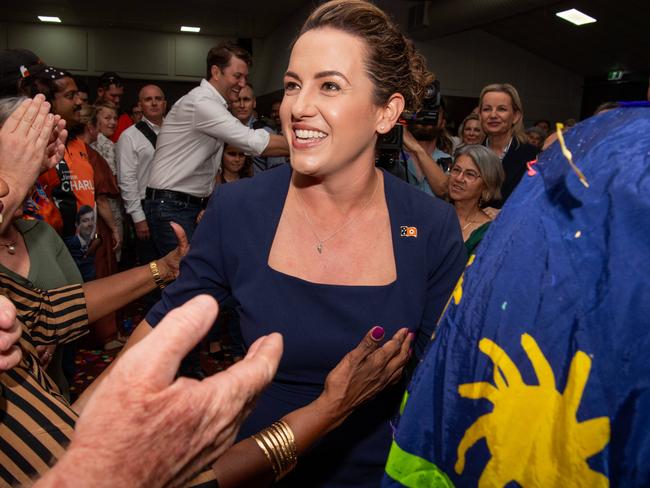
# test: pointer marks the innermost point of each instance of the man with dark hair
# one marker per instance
(189, 148)
(244, 110)
(221, 54)
(71, 183)
(426, 144)
(111, 89)
(190, 144)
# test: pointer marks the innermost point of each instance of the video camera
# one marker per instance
(389, 145)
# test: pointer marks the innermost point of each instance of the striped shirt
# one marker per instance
(36, 421)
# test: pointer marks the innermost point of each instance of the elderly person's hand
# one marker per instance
(26, 149)
(169, 264)
(143, 428)
(24, 138)
(10, 332)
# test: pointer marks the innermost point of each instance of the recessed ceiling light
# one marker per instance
(575, 17)
(45, 18)
(185, 28)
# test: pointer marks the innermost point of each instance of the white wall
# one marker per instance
(463, 62)
(466, 62)
(271, 54)
(133, 54)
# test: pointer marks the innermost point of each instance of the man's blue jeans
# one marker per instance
(160, 213)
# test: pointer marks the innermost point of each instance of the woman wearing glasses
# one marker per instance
(474, 179)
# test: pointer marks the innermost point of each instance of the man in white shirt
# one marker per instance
(244, 110)
(134, 153)
(190, 144)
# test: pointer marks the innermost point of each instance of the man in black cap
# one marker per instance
(15, 65)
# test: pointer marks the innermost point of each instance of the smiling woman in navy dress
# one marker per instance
(324, 249)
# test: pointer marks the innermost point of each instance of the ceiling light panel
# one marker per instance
(576, 17)
(47, 18)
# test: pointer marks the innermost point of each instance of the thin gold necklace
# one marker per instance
(469, 222)
(320, 242)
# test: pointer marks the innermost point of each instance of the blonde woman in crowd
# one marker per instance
(502, 113)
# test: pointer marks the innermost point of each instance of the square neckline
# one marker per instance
(277, 211)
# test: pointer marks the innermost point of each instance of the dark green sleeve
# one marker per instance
(63, 258)
(67, 264)
(475, 238)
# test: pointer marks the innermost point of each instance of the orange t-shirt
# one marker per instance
(70, 184)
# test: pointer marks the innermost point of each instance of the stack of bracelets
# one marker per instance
(279, 446)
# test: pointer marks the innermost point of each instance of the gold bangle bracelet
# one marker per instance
(284, 442)
(262, 446)
(276, 451)
(283, 450)
(155, 272)
(279, 446)
(290, 442)
(276, 460)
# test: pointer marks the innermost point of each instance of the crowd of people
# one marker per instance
(336, 271)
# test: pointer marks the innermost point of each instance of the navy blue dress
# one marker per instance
(321, 323)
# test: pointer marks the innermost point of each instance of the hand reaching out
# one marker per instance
(143, 427)
(170, 263)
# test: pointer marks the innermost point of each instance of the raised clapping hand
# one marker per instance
(142, 427)
(31, 141)
(10, 332)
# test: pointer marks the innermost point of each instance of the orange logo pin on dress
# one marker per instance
(406, 231)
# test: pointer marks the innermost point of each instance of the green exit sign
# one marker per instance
(615, 75)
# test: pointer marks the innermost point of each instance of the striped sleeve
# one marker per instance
(53, 316)
(37, 422)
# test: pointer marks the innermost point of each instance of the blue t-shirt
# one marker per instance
(423, 183)
(320, 323)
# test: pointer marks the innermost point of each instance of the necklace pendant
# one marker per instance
(319, 248)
